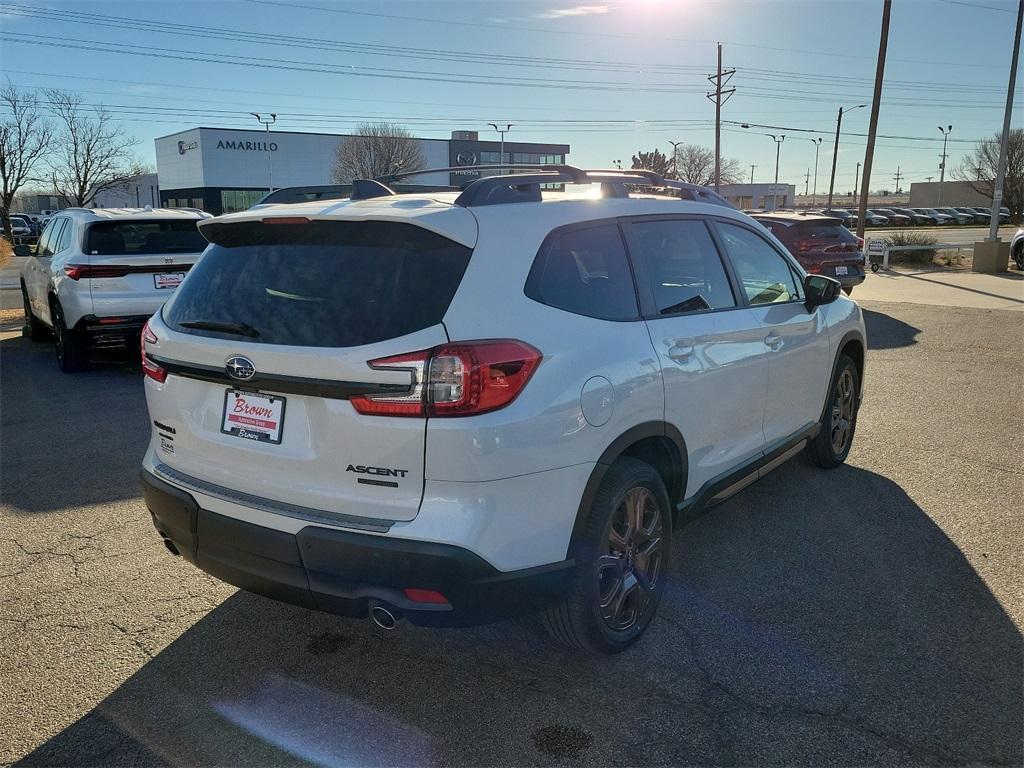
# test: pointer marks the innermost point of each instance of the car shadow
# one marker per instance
(816, 618)
(886, 332)
(49, 430)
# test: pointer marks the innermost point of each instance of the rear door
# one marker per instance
(308, 306)
(711, 349)
(135, 265)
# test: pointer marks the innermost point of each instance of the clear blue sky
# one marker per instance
(610, 77)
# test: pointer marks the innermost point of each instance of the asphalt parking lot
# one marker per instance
(871, 615)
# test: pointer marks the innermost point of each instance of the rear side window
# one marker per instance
(114, 238)
(585, 271)
(321, 284)
(681, 264)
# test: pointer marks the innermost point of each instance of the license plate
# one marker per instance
(842, 270)
(253, 416)
(168, 279)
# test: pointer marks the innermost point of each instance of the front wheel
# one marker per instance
(832, 444)
(33, 328)
(621, 563)
(1018, 256)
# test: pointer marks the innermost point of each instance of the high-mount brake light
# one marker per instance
(285, 220)
(464, 378)
(149, 368)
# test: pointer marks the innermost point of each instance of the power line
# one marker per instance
(978, 5)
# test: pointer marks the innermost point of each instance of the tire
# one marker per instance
(1018, 256)
(33, 328)
(832, 444)
(72, 356)
(614, 559)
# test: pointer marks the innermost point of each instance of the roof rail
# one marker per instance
(506, 187)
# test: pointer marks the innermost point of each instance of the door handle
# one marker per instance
(773, 342)
(680, 353)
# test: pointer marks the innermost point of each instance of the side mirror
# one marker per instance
(820, 289)
(23, 250)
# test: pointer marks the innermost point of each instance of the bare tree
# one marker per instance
(979, 169)
(25, 136)
(377, 150)
(91, 152)
(695, 164)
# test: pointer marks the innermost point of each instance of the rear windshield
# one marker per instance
(319, 284)
(114, 238)
(833, 232)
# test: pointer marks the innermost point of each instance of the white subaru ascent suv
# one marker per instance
(453, 407)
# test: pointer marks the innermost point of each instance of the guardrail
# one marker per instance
(881, 248)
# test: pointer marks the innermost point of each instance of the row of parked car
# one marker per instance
(25, 228)
(912, 217)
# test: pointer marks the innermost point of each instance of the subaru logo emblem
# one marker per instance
(241, 368)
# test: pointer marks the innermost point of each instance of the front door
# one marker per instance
(796, 339)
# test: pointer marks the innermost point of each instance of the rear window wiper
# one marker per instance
(241, 329)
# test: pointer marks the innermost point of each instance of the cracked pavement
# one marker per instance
(867, 616)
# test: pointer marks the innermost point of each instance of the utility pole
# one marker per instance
(876, 103)
(855, 177)
(778, 149)
(898, 176)
(997, 193)
(719, 80)
(929, 178)
(268, 120)
(502, 131)
(752, 167)
(942, 166)
(807, 181)
(817, 145)
(835, 153)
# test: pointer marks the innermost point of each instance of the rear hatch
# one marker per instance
(824, 246)
(271, 337)
(133, 266)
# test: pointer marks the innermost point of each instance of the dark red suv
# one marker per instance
(822, 245)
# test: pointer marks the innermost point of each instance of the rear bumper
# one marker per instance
(341, 571)
(111, 332)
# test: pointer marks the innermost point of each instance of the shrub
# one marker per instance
(904, 237)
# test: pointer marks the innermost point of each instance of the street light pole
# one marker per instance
(502, 131)
(675, 157)
(835, 153)
(817, 145)
(856, 179)
(942, 167)
(752, 167)
(267, 121)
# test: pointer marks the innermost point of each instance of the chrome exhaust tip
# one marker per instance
(382, 616)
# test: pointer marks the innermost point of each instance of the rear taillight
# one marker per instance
(461, 379)
(860, 243)
(85, 271)
(814, 268)
(149, 368)
(802, 246)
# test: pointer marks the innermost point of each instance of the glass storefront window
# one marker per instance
(233, 200)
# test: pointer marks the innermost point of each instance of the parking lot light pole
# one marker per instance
(268, 120)
(942, 166)
(675, 157)
(835, 153)
(502, 131)
(817, 145)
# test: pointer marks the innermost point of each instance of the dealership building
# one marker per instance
(221, 170)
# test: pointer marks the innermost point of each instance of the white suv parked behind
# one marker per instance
(459, 407)
(97, 274)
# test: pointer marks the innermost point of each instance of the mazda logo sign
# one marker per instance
(241, 368)
(465, 158)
